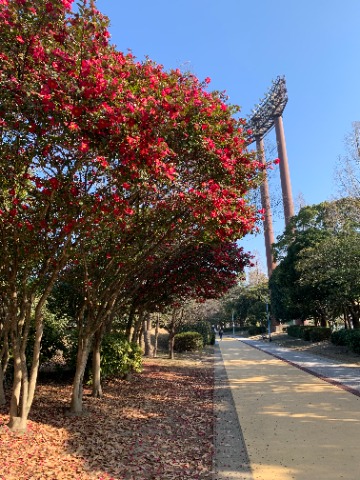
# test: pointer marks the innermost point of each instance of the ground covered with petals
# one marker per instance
(158, 425)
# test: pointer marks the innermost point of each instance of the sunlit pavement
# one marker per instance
(293, 425)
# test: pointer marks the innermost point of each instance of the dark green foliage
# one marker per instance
(320, 334)
(341, 337)
(309, 332)
(318, 256)
(188, 342)
(53, 338)
(71, 347)
(256, 330)
(354, 341)
(305, 333)
(294, 331)
(349, 338)
(204, 328)
(119, 357)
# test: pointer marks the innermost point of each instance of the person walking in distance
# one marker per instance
(221, 332)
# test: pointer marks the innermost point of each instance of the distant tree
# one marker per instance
(316, 257)
(347, 173)
(331, 269)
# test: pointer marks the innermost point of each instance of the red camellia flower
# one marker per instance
(54, 182)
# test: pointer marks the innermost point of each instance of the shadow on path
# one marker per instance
(231, 456)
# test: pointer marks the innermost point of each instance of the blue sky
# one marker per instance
(244, 45)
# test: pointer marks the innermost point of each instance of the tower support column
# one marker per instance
(265, 203)
(284, 170)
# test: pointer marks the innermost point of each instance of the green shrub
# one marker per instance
(341, 337)
(305, 332)
(256, 330)
(294, 331)
(188, 342)
(348, 338)
(320, 334)
(204, 328)
(354, 341)
(53, 339)
(309, 332)
(119, 357)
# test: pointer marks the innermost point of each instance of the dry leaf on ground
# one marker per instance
(157, 426)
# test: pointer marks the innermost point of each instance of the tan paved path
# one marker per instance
(295, 425)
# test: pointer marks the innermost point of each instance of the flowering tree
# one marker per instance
(92, 144)
(201, 272)
(55, 80)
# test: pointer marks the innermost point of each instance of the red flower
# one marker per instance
(84, 147)
(54, 182)
(29, 226)
(73, 126)
(103, 162)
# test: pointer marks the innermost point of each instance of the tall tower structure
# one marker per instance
(266, 116)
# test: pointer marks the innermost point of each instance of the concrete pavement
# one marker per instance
(278, 422)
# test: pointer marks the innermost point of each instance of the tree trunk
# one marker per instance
(16, 391)
(4, 360)
(137, 328)
(171, 340)
(76, 406)
(354, 312)
(2, 388)
(356, 322)
(96, 371)
(147, 336)
(156, 335)
(323, 322)
(130, 322)
(23, 385)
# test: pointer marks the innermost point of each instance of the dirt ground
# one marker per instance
(325, 349)
(157, 425)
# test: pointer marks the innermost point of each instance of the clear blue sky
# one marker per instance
(244, 45)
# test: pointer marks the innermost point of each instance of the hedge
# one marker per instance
(204, 328)
(188, 342)
(295, 331)
(354, 341)
(256, 331)
(320, 334)
(309, 332)
(342, 337)
(349, 338)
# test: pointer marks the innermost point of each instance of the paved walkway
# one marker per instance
(279, 422)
